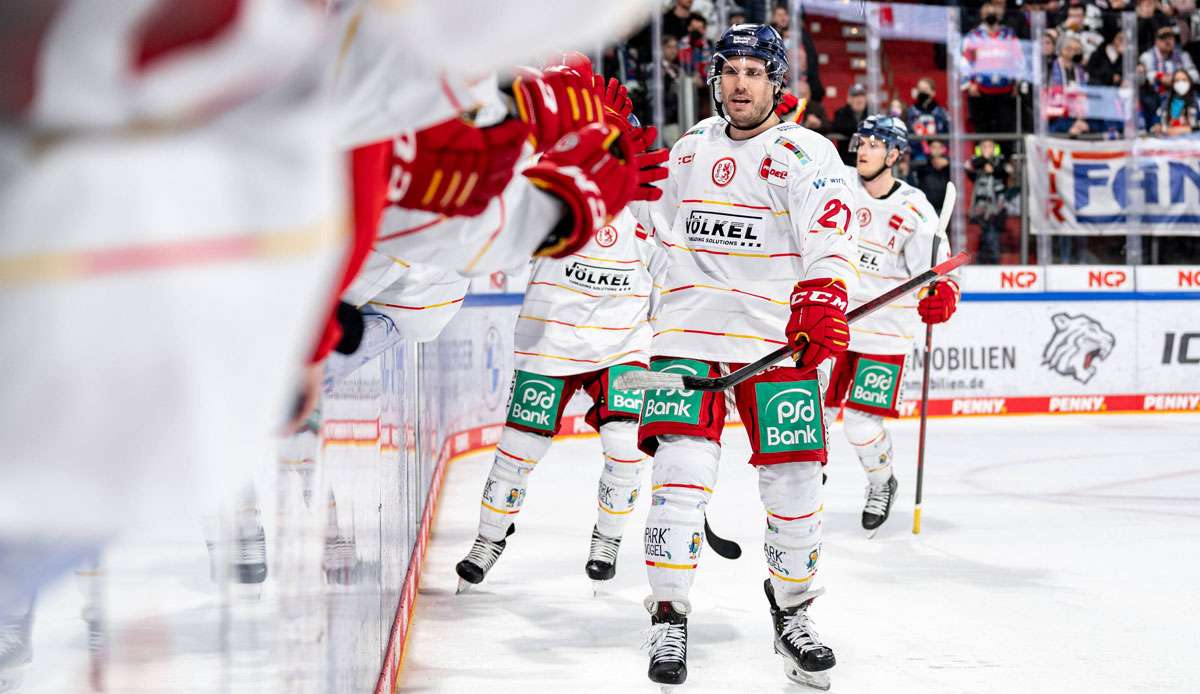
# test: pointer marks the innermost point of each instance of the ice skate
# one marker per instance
(339, 561)
(602, 559)
(879, 503)
(482, 557)
(667, 643)
(808, 660)
(242, 560)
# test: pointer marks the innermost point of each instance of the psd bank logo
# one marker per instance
(1077, 343)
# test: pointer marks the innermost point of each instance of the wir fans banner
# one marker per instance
(1146, 186)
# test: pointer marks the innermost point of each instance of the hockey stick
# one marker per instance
(724, 548)
(661, 380)
(943, 224)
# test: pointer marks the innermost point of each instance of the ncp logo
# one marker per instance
(1077, 343)
(723, 171)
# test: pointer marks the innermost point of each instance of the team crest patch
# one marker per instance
(794, 149)
(607, 236)
(723, 171)
(864, 217)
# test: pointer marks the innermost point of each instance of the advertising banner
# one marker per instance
(1145, 186)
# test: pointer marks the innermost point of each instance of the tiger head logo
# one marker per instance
(1078, 342)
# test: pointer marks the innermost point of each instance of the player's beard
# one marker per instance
(755, 118)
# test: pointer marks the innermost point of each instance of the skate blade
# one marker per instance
(816, 680)
(872, 533)
(464, 586)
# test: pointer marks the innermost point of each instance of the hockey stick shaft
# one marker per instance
(943, 224)
(916, 528)
(651, 380)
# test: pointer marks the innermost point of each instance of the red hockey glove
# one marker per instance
(938, 301)
(787, 103)
(454, 168)
(818, 322)
(555, 102)
(592, 176)
(651, 167)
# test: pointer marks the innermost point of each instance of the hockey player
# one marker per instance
(760, 222)
(898, 229)
(584, 321)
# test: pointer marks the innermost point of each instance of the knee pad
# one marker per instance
(792, 495)
(685, 471)
(504, 492)
(872, 443)
(617, 492)
(622, 459)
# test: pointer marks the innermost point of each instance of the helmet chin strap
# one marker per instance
(770, 112)
(882, 167)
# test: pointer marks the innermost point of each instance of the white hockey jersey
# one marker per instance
(894, 243)
(420, 299)
(590, 310)
(748, 219)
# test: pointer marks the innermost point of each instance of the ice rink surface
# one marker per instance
(1057, 554)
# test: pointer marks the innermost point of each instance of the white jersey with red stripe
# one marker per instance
(747, 220)
(894, 243)
(589, 310)
(420, 299)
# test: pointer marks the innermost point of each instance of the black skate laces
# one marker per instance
(484, 553)
(877, 498)
(604, 548)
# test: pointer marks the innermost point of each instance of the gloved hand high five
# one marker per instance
(818, 322)
(554, 102)
(594, 174)
(938, 302)
(453, 168)
(618, 111)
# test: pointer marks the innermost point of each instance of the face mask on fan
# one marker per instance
(1182, 87)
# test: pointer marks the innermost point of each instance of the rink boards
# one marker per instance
(1026, 340)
